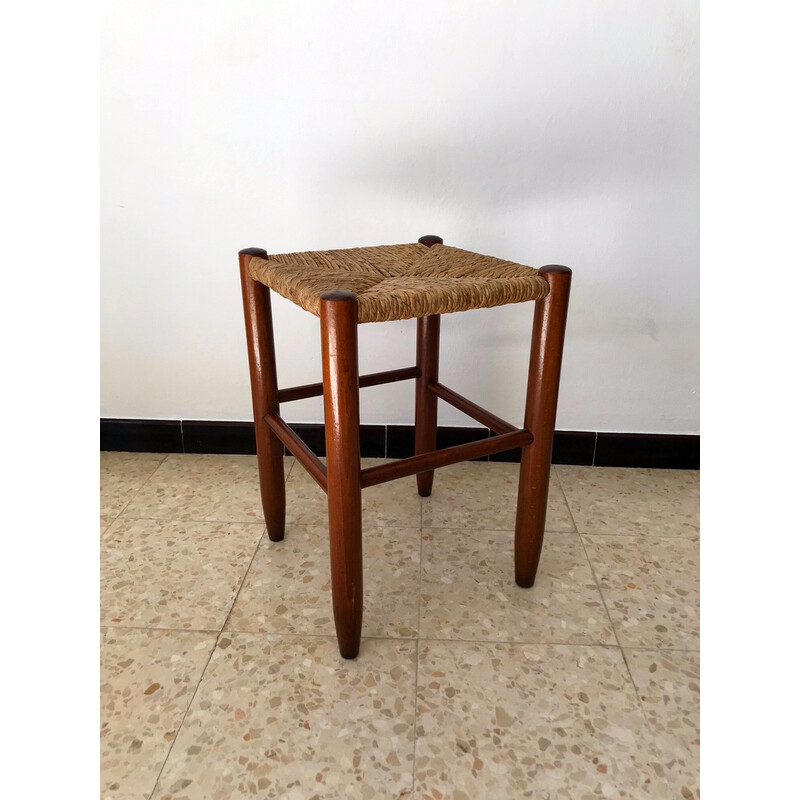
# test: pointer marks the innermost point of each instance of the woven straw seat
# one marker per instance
(400, 281)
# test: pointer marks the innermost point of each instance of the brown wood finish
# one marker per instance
(493, 423)
(430, 240)
(425, 412)
(299, 449)
(372, 379)
(547, 347)
(264, 390)
(339, 327)
(442, 458)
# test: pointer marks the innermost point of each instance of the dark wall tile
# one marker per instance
(400, 439)
(661, 451)
(219, 437)
(574, 447)
(141, 435)
(397, 441)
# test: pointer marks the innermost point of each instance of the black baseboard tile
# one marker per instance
(574, 447)
(452, 437)
(373, 441)
(569, 447)
(661, 451)
(230, 438)
(400, 439)
(312, 435)
(658, 451)
(506, 456)
(141, 435)
(242, 439)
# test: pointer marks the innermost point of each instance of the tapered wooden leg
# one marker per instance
(264, 389)
(339, 322)
(426, 401)
(540, 418)
(425, 411)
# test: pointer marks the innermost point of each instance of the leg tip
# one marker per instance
(425, 484)
(349, 652)
(275, 530)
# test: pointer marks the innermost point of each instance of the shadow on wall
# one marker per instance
(520, 153)
(602, 170)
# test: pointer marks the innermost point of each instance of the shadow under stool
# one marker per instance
(377, 284)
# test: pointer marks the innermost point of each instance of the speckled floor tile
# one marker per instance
(105, 524)
(121, 476)
(288, 718)
(654, 502)
(651, 588)
(202, 487)
(554, 722)
(288, 589)
(393, 504)
(171, 574)
(483, 496)
(668, 684)
(147, 679)
(468, 591)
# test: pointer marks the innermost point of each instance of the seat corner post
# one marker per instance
(426, 402)
(544, 374)
(264, 391)
(339, 333)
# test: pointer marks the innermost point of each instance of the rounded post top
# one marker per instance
(555, 269)
(337, 295)
(254, 251)
(430, 240)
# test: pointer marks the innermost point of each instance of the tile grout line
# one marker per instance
(115, 626)
(656, 750)
(210, 656)
(332, 636)
(603, 599)
(566, 503)
(616, 636)
(408, 639)
(136, 493)
(183, 719)
(380, 526)
(415, 698)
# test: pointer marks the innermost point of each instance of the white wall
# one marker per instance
(541, 132)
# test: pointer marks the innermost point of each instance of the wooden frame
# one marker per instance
(343, 478)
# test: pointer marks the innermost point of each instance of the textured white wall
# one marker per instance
(542, 132)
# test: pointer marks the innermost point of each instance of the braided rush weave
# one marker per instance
(400, 281)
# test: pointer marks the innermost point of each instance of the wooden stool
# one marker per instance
(375, 284)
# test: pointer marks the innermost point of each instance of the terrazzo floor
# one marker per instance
(220, 675)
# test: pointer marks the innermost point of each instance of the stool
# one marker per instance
(376, 284)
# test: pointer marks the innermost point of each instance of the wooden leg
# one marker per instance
(264, 388)
(425, 412)
(426, 401)
(339, 323)
(540, 418)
